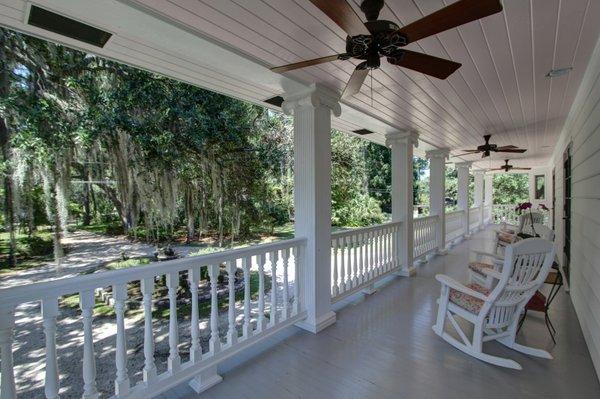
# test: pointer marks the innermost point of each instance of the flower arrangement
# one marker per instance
(524, 207)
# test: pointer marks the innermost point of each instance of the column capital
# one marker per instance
(464, 164)
(402, 137)
(316, 96)
(443, 153)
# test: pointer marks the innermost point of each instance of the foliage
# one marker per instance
(351, 204)
(511, 188)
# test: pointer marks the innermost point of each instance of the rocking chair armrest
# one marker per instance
(451, 283)
(492, 273)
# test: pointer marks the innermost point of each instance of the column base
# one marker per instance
(208, 378)
(318, 325)
(442, 251)
(410, 272)
(369, 290)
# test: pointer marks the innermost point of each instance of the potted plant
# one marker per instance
(520, 209)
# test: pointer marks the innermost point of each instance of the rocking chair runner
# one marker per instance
(495, 312)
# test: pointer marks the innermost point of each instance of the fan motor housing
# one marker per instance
(384, 40)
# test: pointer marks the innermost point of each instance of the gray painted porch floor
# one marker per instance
(382, 346)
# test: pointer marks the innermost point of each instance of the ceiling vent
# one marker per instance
(68, 27)
(362, 132)
(276, 101)
(554, 73)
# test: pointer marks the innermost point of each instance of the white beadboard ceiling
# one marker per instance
(228, 45)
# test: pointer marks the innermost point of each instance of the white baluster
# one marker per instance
(215, 341)
(347, 248)
(286, 295)
(122, 380)
(260, 325)
(388, 240)
(352, 262)
(86, 303)
(334, 278)
(149, 372)
(49, 314)
(342, 284)
(247, 329)
(379, 254)
(355, 281)
(196, 348)
(7, 325)
(231, 331)
(298, 263)
(174, 361)
(274, 256)
(361, 256)
(370, 257)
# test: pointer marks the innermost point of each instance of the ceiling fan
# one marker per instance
(487, 148)
(506, 167)
(371, 40)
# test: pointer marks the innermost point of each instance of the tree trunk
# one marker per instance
(9, 214)
(220, 216)
(87, 215)
(189, 211)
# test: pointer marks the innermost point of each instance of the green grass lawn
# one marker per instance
(31, 251)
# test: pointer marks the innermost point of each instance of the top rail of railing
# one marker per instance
(362, 230)
(13, 296)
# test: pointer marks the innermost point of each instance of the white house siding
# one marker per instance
(582, 129)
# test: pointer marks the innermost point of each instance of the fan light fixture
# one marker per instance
(554, 73)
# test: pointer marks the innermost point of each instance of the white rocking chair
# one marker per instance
(476, 268)
(495, 313)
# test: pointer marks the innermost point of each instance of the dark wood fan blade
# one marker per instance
(450, 17)
(302, 64)
(497, 169)
(427, 64)
(517, 150)
(470, 151)
(342, 14)
(355, 82)
(521, 168)
(507, 147)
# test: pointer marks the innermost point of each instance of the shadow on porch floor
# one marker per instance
(382, 346)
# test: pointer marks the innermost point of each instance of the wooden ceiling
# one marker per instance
(501, 88)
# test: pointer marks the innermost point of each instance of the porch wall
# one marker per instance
(582, 129)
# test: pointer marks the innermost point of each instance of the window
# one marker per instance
(540, 187)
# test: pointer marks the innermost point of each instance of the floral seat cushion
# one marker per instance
(467, 302)
(478, 267)
(505, 238)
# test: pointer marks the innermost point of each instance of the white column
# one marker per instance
(437, 193)
(463, 193)
(312, 110)
(478, 194)
(402, 144)
(488, 193)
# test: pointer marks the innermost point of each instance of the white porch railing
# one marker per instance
(360, 257)
(424, 235)
(454, 225)
(474, 218)
(283, 309)
(505, 213)
(487, 214)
